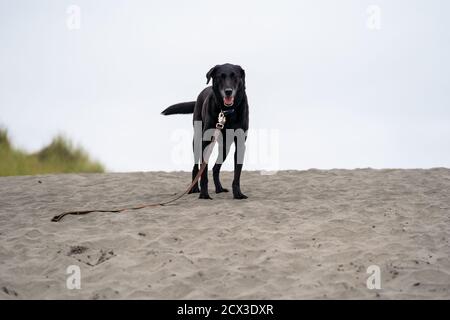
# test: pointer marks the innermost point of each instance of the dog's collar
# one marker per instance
(227, 111)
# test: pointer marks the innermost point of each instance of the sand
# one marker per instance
(300, 235)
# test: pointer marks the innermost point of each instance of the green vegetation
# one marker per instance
(58, 157)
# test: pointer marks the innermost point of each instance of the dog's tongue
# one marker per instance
(228, 101)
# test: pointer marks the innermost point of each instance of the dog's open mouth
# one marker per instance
(228, 101)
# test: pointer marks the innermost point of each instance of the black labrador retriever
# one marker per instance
(226, 95)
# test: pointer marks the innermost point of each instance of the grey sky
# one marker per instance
(338, 94)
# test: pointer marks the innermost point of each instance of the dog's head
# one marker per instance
(228, 83)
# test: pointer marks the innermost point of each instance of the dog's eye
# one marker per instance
(223, 75)
(232, 75)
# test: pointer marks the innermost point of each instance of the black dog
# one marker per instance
(227, 94)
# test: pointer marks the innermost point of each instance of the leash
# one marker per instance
(220, 125)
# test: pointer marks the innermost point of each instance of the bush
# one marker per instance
(60, 156)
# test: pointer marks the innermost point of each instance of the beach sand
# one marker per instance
(300, 235)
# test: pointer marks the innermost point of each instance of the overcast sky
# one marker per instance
(327, 88)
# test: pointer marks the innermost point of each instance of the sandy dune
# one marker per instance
(301, 234)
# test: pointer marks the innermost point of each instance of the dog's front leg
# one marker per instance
(223, 152)
(204, 178)
(238, 162)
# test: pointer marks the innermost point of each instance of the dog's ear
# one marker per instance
(210, 74)
(242, 75)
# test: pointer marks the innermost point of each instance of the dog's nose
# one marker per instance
(228, 92)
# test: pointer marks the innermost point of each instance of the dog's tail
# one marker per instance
(180, 108)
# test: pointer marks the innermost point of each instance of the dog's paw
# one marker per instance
(220, 190)
(239, 196)
(195, 189)
(204, 196)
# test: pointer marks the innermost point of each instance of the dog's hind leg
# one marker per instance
(195, 169)
(195, 188)
(223, 152)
